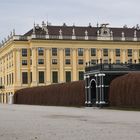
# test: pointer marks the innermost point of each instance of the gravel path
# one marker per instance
(22, 122)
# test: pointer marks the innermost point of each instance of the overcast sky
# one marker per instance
(21, 14)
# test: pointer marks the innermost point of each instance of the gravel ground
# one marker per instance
(23, 122)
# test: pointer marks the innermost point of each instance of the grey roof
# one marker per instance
(80, 31)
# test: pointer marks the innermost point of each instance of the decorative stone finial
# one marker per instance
(137, 27)
(73, 32)
(11, 34)
(135, 34)
(111, 33)
(60, 32)
(13, 31)
(123, 34)
(98, 33)
(47, 32)
(43, 23)
(2, 42)
(97, 24)
(8, 37)
(34, 28)
(5, 40)
(86, 33)
(89, 24)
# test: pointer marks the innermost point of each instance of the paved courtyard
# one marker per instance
(23, 122)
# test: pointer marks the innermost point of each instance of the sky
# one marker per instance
(21, 14)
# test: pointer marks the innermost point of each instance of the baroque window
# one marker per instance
(41, 76)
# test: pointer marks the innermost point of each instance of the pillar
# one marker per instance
(100, 100)
(124, 59)
(87, 90)
(34, 67)
(135, 55)
(48, 66)
(87, 55)
(99, 56)
(61, 64)
(112, 55)
(29, 65)
(74, 64)
(17, 68)
(97, 89)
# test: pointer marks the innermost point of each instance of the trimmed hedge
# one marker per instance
(65, 94)
(125, 91)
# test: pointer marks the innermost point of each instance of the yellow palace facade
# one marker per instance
(55, 54)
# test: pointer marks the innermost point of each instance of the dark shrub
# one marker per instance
(125, 91)
(65, 94)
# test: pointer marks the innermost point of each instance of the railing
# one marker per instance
(40, 36)
(113, 67)
(68, 37)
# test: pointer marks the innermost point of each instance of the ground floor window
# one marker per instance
(41, 76)
(117, 61)
(68, 76)
(24, 77)
(81, 75)
(55, 77)
(30, 77)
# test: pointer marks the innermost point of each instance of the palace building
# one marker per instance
(50, 54)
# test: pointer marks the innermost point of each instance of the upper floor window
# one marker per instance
(41, 61)
(24, 52)
(93, 52)
(54, 61)
(54, 51)
(67, 52)
(93, 61)
(117, 52)
(41, 51)
(129, 52)
(105, 52)
(80, 62)
(67, 61)
(24, 62)
(80, 51)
